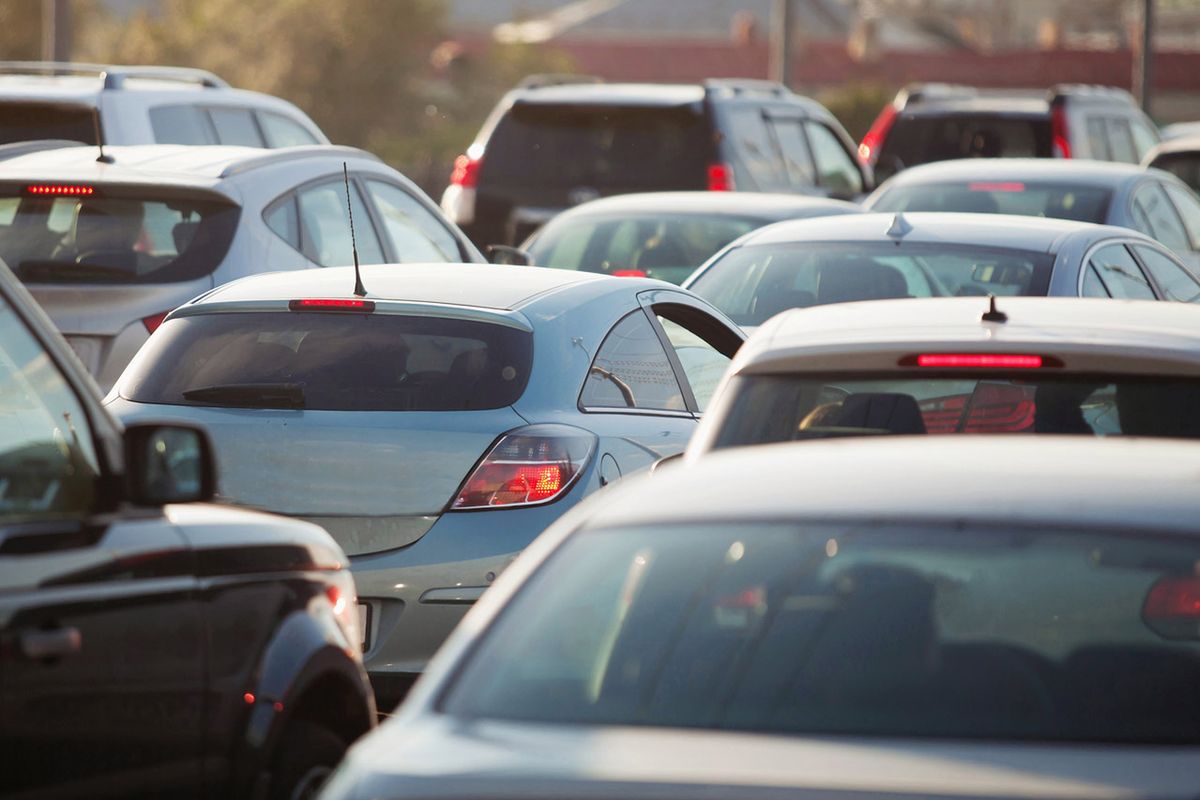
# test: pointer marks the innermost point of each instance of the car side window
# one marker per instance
(757, 152)
(1121, 141)
(1120, 274)
(631, 370)
(236, 126)
(1189, 211)
(1155, 216)
(182, 124)
(836, 168)
(1144, 139)
(325, 228)
(281, 217)
(48, 464)
(1175, 282)
(794, 147)
(416, 233)
(703, 365)
(1097, 138)
(283, 132)
(1092, 285)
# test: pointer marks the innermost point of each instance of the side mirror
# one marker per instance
(664, 461)
(168, 464)
(504, 254)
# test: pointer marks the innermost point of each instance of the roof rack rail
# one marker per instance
(738, 86)
(294, 153)
(16, 149)
(542, 80)
(1092, 90)
(918, 92)
(113, 75)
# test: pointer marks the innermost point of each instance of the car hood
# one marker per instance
(436, 756)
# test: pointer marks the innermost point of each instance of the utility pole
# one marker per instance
(1143, 62)
(56, 30)
(782, 22)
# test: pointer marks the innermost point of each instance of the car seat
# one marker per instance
(886, 412)
(847, 281)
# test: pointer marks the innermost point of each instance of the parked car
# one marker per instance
(962, 365)
(1148, 200)
(550, 144)
(873, 618)
(663, 235)
(111, 104)
(151, 645)
(436, 425)
(109, 248)
(879, 256)
(1180, 157)
(939, 122)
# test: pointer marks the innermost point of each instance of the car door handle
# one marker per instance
(53, 643)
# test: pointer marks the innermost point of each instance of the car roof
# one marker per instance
(1141, 336)
(1029, 170)
(983, 104)
(985, 230)
(1189, 143)
(761, 204)
(1117, 482)
(616, 94)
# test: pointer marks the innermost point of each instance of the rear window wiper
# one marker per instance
(250, 395)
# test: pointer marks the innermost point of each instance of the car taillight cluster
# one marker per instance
(1059, 139)
(153, 321)
(466, 171)
(529, 466)
(991, 408)
(1172, 607)
(868, 150)
(720, 178)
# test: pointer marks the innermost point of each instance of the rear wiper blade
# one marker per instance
(251, 395)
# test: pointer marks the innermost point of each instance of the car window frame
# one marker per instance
(852, 156)
(1127, 243)
(363, 181)
(774, 119)
(293, 194)
(250, 111)
(1166, 252)
(685, 389)
(1151, 183)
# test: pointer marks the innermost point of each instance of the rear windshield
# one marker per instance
(23, 122)
(1185, 166)
(102, 238)
(856, 628)
(919, 139)
(752, 284)
(1057, 201)
(779, 408)
(603, 147)
(331, 361)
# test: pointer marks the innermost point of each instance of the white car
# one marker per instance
(961, 365)
(871, 618)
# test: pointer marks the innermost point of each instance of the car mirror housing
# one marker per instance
(168, 463)
(504, 254)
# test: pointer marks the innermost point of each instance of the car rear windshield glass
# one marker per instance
(752, 284)
(1185, 166)
(919, 139)
(780, 408)
(24, 122)
(333, 361)
(599, 147)
(102, 238)
(853, 628)
(1058, 201)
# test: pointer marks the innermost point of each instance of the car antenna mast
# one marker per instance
(358, 284)
(103, 159)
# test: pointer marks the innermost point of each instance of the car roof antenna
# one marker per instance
(900, 227)
(358, 284)
(992, 314)
(103, 159)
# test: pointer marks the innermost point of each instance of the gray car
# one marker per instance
(436, 425)
(880, 256)
(1152, 201)
(871, 618)
(109, 247)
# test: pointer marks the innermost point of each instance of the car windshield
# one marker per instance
(668, 247)
(24, 122)
(348, 361)
(752, 284)
(852, 628)
(59, 233)
(919, 139)
(1058, 201)
(779, 408)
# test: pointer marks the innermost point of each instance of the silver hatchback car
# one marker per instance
(109, 247)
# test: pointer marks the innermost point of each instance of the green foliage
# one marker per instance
(857, 104)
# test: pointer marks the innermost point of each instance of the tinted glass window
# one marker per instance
(758, 157)
(331, 361)
(605, 148)
(325, 226)
(855, 628)
(1121, 141)
(283, 132)
(752, 284)
(1185, 166)
(836, 169)
(1155, 216)
(48, 465)
(23, 122)
(417, 234)
(796, 156)
(1097, 137)
(920, 139)
(282, 218)
(1120, 274)
(1189, 211)
(1175, 282)
(181, 125)
(1058, 201)
(112, 239)
(235, 126)
(781, 408)
(702, 364)
(632, 370)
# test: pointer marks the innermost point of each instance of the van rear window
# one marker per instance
(24, 122)
(920, 139)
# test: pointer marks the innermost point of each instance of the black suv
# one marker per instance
(551, 144)
(938, 122)
(151, 646)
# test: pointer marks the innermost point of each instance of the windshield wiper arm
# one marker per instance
(251, 395)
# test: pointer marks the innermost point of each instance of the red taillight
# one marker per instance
(336, 600)
(984, 360)
(991, 408)
(466, 171)
(720, 178)
(312, 304)
(1173, 597)
(532, 465)
(1000, 186)
(69, 190)
(628, 273)
(152, 322)
(868, 150)
(1058, 132)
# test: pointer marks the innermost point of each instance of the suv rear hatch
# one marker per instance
(928, 135)
(23, 121)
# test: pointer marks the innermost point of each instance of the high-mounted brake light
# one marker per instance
(154, 320)
(720, 178)
(996, 186)
(984, 360)
(868, 150)
(312, 304)
(628, 273)
(532, 465)
(1059, 139)
(60, 190)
